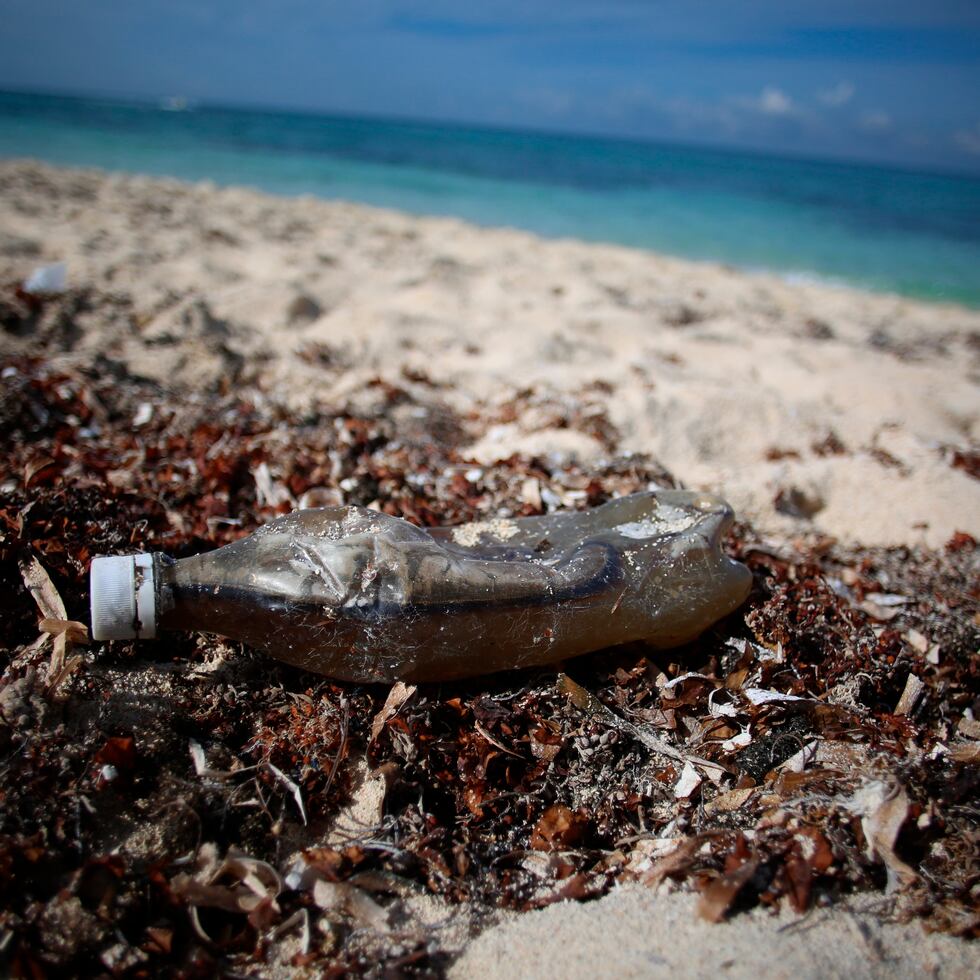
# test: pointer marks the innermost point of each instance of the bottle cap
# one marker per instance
(123, 597)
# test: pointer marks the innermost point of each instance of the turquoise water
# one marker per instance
(879, 228)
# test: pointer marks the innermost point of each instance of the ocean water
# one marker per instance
(874, 227)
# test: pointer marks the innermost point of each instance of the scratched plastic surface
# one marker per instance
(360, 596)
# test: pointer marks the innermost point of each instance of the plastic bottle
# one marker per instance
(362, 596)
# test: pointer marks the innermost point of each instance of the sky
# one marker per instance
(895, 81)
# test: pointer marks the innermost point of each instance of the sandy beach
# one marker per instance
(824, 414)
(812, 409)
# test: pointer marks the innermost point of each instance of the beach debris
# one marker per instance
(201, 766)
(721, 704)
(968, 726)
(47, 280)
(586, 701)
(799, 502)
(913, 691)
(303, 309)
(144, 414)
(917, 641)
(397, 696)
(293, 789)
(740, 741)
(315, 873)
(682, 315)
(558, 828)
(965, 752)
(531, 493)
(64, 632)
(688, 782)
(818, 329)
(719, 894)
(966, 460)
(42, 590)
(301, 918)
(730, 801)
(240, 884)
(339, 897)
(305, 870)
(469, 769)
(361, 596)
(882, 606)
(270, 493)
(883, 809)
(798, 761)
(758, 696)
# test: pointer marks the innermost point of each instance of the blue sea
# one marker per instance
(869, 226)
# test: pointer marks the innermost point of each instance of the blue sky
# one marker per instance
(894, 81)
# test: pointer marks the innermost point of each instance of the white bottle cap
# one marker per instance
(123, 597)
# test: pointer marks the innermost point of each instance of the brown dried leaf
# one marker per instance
(39, 584)
(545, 741)
(36, 466)
(677, 861)
(968, 752)
(573, 889)
(883, 811)
(397, 696)
(718, 895)
(815, 849)
(910, 696)
(558, 828)
(687, 783)
(968, 727)
(72, 629)
(119, 751)
(494, 742)
(239, 884)
(841, 756)
(62, 666)
(734, 799)
(159, 939)
(200, 893)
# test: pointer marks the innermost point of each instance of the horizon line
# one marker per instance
(192, 104)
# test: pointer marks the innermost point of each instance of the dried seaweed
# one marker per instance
(822, 740)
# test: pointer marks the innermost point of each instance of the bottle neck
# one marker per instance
(210, 594)
(187, 594)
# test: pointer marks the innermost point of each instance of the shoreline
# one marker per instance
(457, 183)
(790, 277)
(801, 277)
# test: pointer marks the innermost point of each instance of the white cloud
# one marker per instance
(840, 94)
(771, 101)
(876, 122)
(969, 139)
(775, 102)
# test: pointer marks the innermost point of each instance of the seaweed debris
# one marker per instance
(192, 807)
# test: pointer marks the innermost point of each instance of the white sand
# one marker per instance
(224, 277)
(635, 932)
(705, 368)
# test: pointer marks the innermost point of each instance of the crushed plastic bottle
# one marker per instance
(361, 596)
